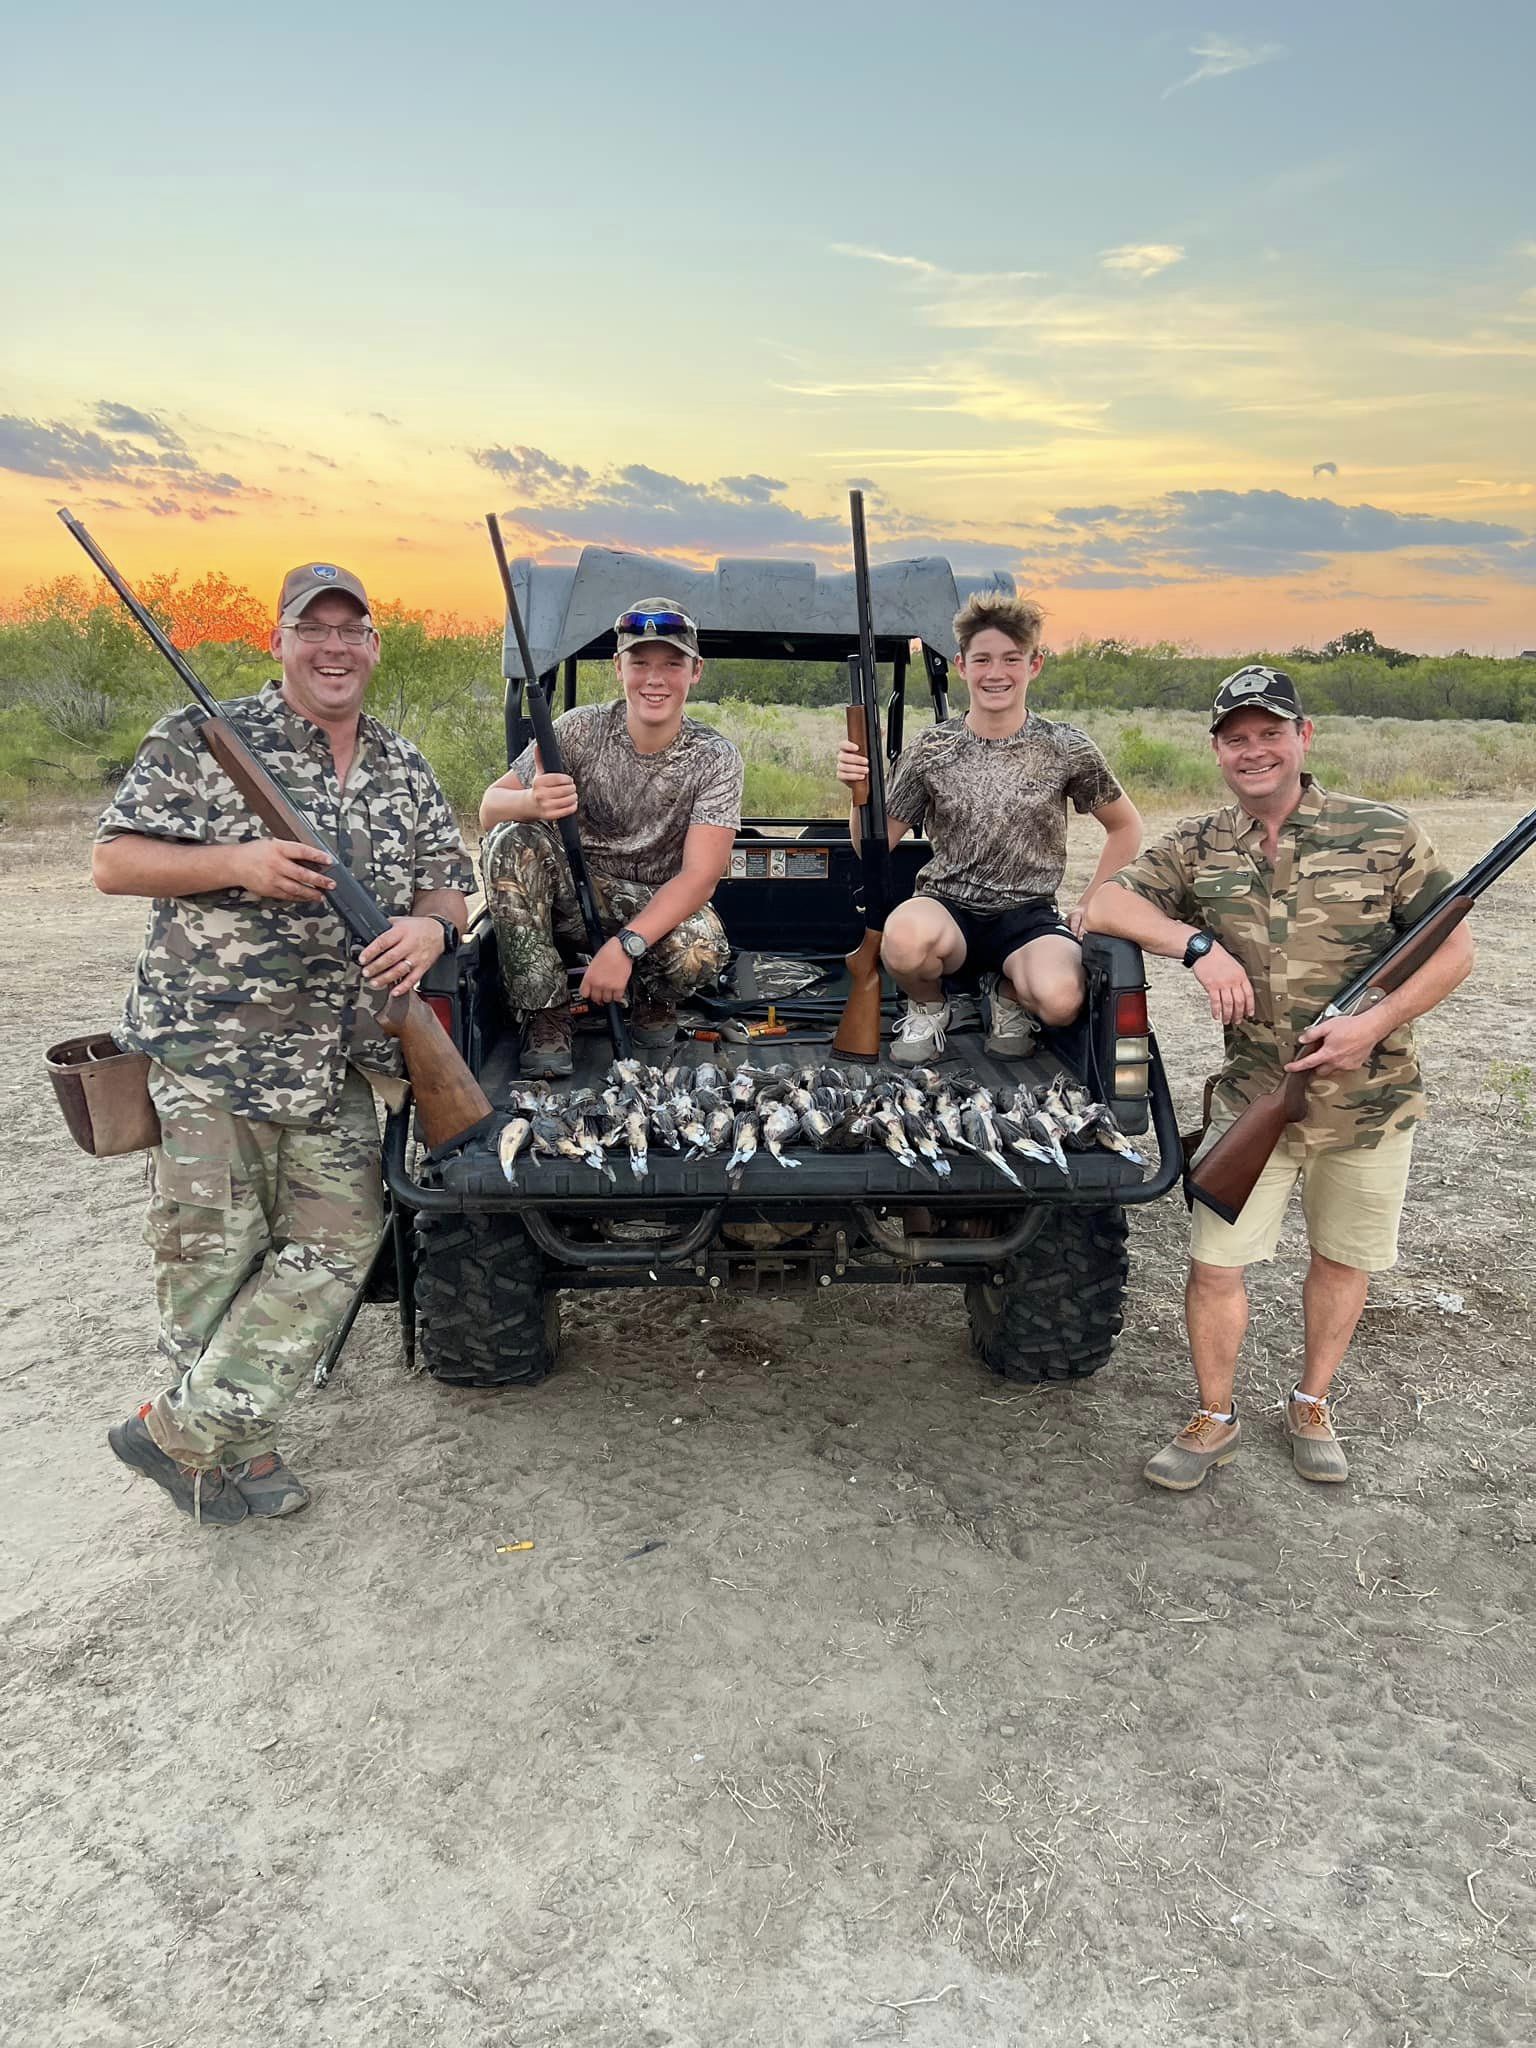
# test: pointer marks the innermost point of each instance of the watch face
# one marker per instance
(633, 944)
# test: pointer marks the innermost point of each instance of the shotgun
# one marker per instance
(549, 754)
(451, 1107)
(1225, 1177)
(858, 1030)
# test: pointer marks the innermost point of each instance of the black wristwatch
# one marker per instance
(451, 933)
(1197, 948)
(634, 947)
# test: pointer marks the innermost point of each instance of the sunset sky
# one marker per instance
(1221, 329)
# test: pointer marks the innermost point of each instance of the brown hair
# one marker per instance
(1021, 618)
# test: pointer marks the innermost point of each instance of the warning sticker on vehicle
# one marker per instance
(780, 864)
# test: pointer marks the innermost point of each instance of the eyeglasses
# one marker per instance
(354, 633)
(654, 622)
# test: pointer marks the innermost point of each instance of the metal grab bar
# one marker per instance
(951, 1251)
(621, 1257)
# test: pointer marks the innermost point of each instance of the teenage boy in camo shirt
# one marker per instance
(991, 790)
(657, 801)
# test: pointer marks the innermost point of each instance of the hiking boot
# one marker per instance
(547, 1043)
(920, 1034)
(652, 1024)
(1014, 1032)
(207, 1496)
(1200, 1446)
(1315, 1451)
(269, 1486)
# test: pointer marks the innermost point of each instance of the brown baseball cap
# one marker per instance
(310, 580)
(656, 618)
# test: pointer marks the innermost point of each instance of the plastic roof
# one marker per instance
(744, 607)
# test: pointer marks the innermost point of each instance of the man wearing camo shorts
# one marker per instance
(657, 800)
(263, 1034)
(1274, 904)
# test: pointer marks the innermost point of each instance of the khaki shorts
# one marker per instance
(1352, 1200)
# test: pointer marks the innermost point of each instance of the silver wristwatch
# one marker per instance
(635, 948)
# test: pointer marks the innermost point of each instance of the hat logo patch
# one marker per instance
(327, 571)
(1248, 686)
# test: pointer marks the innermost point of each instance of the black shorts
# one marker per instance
(990, 939)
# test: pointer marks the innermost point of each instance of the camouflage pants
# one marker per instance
(532, 902)
(261, 1236)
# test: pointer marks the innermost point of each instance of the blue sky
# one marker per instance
(1262, 280)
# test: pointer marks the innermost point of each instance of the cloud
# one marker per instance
(1220, 58)
(531, 468)
(633, 506)
(1142, 259)
(920, 267)
(127, 419)
(1261, 533)
(54, 448)
(1325, 469)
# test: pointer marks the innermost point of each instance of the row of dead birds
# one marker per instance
(914, 1114)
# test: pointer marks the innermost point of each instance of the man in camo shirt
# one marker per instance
(991, 791)
(1274, 903)
(263, 1032)
(657, 801)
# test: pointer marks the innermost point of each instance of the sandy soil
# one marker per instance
(921, 1719)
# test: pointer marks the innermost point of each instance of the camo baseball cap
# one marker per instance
(1257, 688)
(310, 580)
(656, 618)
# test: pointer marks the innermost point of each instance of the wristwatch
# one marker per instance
(634, 947)
(1198, 947)
(451, 933)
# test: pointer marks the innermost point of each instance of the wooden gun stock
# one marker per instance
(1229, 1172)
(858, 1029)
(450, 1102)
(858, 733)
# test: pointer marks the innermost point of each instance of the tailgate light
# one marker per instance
(1133, 1052)
(442, 1009)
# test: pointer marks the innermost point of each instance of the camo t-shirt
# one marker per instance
(1349, 874)
(633, 810)
(995, 811)
(255, 1003)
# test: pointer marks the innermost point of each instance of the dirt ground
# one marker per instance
(920, 1719)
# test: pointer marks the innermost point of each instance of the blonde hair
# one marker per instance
(1021, 618)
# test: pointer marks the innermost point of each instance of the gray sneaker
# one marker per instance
(1014, 1032)
(270, 1487)
(547, 1043)
(207, 1496)
(1200, 1446)
(920, 1034)
(1315, 1451)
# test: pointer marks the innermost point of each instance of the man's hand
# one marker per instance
(852, 765)
(284, 869)
(607, 979)
(554, 796)
(399, 959)
(1338, 1045)
(1077, 918)
(1230, 990)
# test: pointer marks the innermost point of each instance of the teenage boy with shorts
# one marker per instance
(991, 791)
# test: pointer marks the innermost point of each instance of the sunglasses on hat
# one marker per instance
(654, 622)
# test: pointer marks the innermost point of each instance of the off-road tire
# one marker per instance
(1062, 1302)
(485, 1315)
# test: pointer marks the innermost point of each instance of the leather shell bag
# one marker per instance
(104, 1094)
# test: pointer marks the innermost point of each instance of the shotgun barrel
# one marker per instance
(542, 720)
(451, 1107)
(858, 1031)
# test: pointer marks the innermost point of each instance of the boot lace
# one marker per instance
(921, 1026)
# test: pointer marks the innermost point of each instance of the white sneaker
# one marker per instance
(920, 1034)
(1015, 1031)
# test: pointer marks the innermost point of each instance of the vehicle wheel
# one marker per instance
(1062, 1302)
(486, 1316)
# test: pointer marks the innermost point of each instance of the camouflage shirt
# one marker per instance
(995, 811)
(634, 810)
(1348, 876)
(259, 1004)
